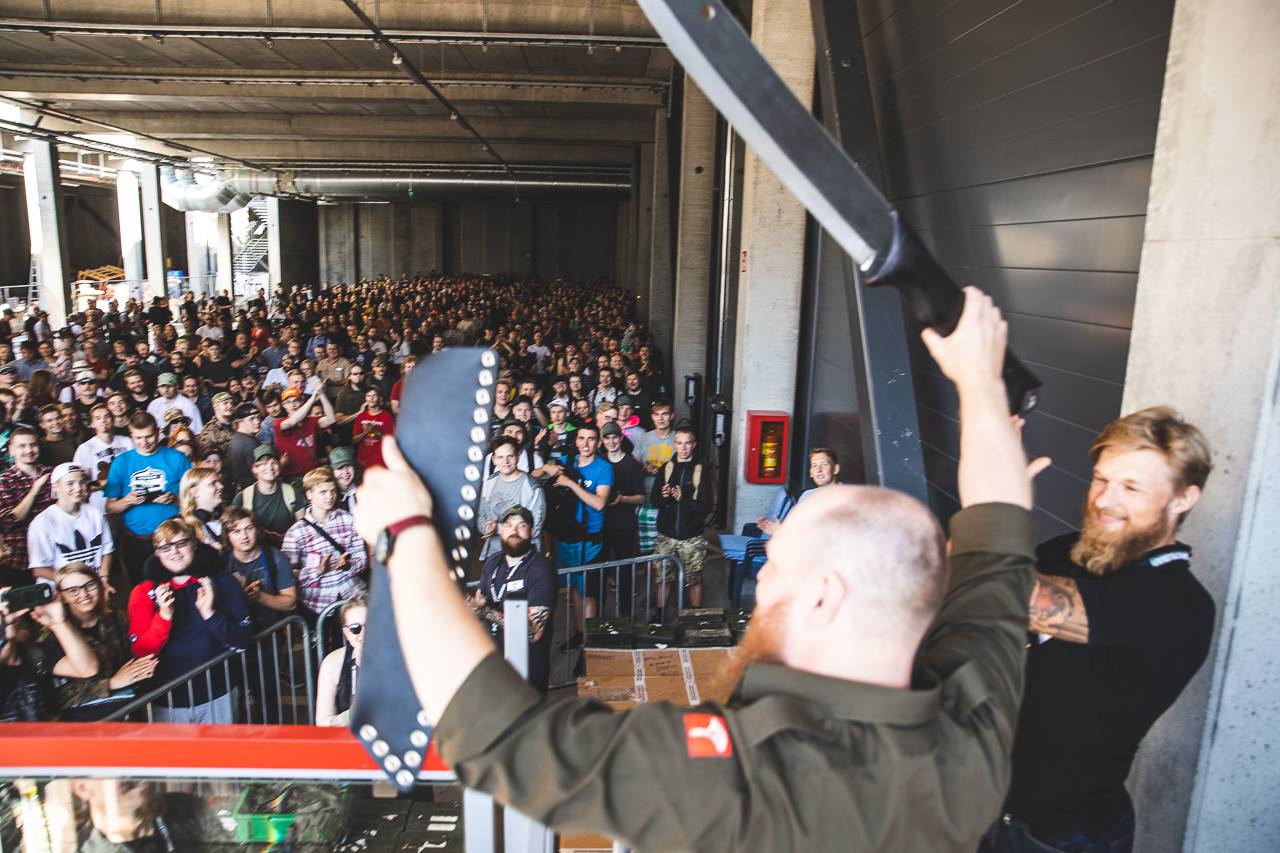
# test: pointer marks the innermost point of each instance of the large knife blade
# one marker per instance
(718, 54)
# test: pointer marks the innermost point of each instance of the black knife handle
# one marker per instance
(934, 300)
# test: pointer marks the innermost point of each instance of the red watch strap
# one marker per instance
(398, 527)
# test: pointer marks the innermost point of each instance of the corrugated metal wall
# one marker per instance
(1017, 136)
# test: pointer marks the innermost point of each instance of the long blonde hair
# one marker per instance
(191, 480)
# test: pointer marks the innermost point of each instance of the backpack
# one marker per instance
(290, 495)
(670, 467)
(561, 519)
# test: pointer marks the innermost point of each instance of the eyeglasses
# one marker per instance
(172, 547)
(81, 591)
(84, 381)
(355, 628)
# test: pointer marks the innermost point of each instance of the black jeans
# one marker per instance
(1008, 835)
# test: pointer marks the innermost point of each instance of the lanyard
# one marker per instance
(497, 593)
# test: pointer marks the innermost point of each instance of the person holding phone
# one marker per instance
(27, 668)
(187, 611)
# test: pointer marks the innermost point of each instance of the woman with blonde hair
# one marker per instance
(106, 630)
(200, 504)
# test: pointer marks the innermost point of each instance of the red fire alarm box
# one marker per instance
(768, 445)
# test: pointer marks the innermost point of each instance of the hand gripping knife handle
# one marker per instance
(936, 301)
(443, 431)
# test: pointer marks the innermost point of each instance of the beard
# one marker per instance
(1100, 551)
(763, 641)
(515, 546)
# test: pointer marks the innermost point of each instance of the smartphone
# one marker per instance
(26, 597)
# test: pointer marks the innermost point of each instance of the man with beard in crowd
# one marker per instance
(1119, 626)
(880, 677)
(519, 569)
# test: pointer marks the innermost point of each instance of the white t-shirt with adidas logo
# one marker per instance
(56, 538)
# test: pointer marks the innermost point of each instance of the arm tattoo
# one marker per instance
(1057, 609)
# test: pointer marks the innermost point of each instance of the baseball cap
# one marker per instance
(244, 410)
(264, 450)
(516, 509)
(167, 379)
(622, 400)
(85, 376)
(63, 470)
(611, 428)
(341, 456)
(9, 370)
(223, 397)
(289, 394)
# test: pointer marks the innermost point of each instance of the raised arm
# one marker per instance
(993, 468)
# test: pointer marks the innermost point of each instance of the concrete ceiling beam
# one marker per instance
(186, 126)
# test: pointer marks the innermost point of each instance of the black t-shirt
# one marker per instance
(218, 372)
(535, 579)
(628, 481)
(1086, 706)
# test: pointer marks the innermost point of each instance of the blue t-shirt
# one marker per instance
(598, 473)
(161, 471)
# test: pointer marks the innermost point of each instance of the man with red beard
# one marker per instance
(880, 691)
(1119, 626)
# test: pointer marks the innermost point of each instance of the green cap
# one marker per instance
(167, 379)
(264, 450)
(341, 456)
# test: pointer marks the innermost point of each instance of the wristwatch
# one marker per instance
(387, 538)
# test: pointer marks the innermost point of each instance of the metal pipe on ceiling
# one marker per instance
(219, 31)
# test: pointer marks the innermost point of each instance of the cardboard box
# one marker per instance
(685, 677)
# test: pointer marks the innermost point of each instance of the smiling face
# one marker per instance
(1132, 507)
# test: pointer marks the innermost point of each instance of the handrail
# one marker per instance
(265, 669)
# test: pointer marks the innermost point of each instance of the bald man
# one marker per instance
(876, 701)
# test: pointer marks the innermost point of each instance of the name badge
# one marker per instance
(515, 586)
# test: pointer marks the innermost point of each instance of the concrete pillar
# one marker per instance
(337, 243)
(658, 305)
(1206, 339)
(771, 260)
(44, 219)
(374, 233)
(426, 223)
(129, 203)
(152, 230)
(275, 231)
(224, 253)
(202, 237)
(643, 244)
(695, 241)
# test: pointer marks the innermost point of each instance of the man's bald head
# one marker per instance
(886, 548)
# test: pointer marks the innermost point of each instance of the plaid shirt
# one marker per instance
(304, 546)
(14, 486)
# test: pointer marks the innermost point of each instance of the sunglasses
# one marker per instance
(355, 628)
(172, 547)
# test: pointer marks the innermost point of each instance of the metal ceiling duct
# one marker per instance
(232, 190)
(180, 190)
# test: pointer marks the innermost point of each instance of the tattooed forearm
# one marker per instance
(1057, 609)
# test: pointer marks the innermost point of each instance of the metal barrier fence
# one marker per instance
(255, 684)
(614, 582)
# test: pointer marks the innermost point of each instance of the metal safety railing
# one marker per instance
(270, 682)
(630, 587)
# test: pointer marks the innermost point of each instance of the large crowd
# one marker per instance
(182, 474)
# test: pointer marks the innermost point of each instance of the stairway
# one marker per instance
(251, 253)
